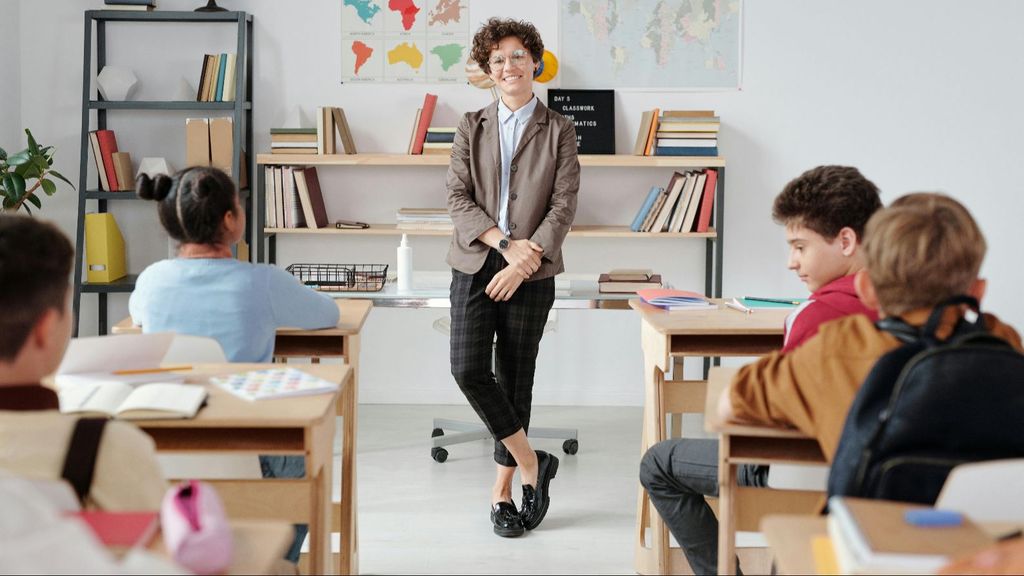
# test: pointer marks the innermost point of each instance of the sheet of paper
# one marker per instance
(119, 352)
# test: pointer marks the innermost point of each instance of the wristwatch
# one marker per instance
(503, 244)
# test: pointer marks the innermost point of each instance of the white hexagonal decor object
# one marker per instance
(153, 166)
(116, 83)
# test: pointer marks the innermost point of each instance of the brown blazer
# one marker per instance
(545, 177)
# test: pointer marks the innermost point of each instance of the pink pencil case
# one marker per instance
(195, 528)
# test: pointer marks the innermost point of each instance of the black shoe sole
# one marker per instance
(509, 532)
(543, 511)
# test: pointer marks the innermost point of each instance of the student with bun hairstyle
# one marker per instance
(205, 291)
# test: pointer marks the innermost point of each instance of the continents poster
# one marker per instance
(650, 44)
(404, 40)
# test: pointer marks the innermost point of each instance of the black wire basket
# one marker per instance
(341, 277)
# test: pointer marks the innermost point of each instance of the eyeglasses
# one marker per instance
(518, 58)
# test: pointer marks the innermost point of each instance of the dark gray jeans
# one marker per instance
(678, 474)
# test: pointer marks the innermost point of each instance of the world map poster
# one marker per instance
(404, 40)
(650, 44)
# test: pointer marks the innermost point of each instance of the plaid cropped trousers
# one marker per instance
(507, 332)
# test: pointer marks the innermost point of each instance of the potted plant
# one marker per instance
(18, 170)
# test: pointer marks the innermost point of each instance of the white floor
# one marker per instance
(418, 516)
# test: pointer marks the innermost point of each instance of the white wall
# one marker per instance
(920, 95)
(11, 137)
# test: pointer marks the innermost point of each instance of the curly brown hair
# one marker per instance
(495, 30)
(827, 199)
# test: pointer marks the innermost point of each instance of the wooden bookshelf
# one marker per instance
(578, 231)
(587, 160)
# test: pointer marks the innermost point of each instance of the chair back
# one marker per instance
(990, 491)
(187, 349)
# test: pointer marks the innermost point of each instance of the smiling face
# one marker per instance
(512, 68)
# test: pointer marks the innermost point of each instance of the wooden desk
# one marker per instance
(739, 444)
(789, 536)
(302, 426)
(342, 341)
(667, 335)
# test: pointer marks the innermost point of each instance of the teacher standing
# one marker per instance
(512, 186)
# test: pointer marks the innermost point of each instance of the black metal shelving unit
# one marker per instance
(240, 109)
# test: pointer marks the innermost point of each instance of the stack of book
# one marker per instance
(113, 168)
(880, 537)
(293, 198)
(685, 205)
(293, 141)
(627, 281)
(677, 133)
(439, 140)
(217, 79)
(423, 219)
(419, 127)
(141, 5)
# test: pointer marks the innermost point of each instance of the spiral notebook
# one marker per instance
(274, 383)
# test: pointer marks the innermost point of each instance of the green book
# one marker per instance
(293, 130)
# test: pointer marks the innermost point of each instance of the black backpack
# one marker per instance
(928, 406)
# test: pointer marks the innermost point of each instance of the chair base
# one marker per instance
(472, 431)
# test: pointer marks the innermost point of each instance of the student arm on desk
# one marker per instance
(294, 304)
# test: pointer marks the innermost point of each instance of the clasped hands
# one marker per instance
(523, 257)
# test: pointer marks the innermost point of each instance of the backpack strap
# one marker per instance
(900, 329)
(935, 318)
(80, 460)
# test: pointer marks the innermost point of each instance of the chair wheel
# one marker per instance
(570, 446)
(438, 454)
(436, 432)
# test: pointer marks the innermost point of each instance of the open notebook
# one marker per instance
(146, 402)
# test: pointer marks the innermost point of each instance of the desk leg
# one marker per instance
(320, 557)
(653, 559)
(726, 509)
(349, 561)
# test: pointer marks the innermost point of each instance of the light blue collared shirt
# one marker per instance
(511, 125)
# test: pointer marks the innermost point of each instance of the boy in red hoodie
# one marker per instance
(824, 211)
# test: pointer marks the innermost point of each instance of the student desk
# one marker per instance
(340, 341)
(741, 444)
(675, 335)
(789, 536)
(290, 426)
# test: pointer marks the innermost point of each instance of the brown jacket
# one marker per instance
(812, 387)
(545, 177)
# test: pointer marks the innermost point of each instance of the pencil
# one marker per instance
(150, 370)
(774, 300)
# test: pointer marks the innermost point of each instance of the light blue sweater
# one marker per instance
(236, 303)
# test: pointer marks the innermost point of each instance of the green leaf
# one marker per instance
(41, 163)
(9, 202)
(58, 175)
(27, 209)
(35, 202)
(3, 154)
(19, 158)
(33, 147)
(15, 186)
(49, 187)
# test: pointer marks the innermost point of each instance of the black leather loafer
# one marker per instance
(536, 499)
(506, 520)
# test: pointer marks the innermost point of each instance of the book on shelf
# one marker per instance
(228, 94)
(670, 126)
(442, 130)
(694, 192)
(123, 170)
(324, 130)
(294, 217)
(444, 148)
(344, 133)
(106, 143)
(708, 201)
(678, 151)
(290, 150)
(874, 537)
(222, 67)
(131, 7)
(641, 135)
(652, 130)
(274, 383)
(675, 223)
(279, 196)
(638, 220)
(423, 122)
(673, 114)
(269, 198)
(307, 184)
(673, 191)
(653, 213)
(629, 274)
(439, 137)
(415, 127)
(295, 143)
(293, 131)
(605, 285)
(593, 114)
(159, 400)
(671, 142)
(97, 156)
(669, 299)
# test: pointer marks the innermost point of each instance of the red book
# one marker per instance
(429, 102)
(121, 529)
(108, 145)
(704, 220)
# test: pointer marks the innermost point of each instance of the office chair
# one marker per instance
(471, 431)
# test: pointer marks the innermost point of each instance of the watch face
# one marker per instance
(503, 244)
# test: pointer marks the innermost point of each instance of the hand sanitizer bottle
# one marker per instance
(404, 271)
